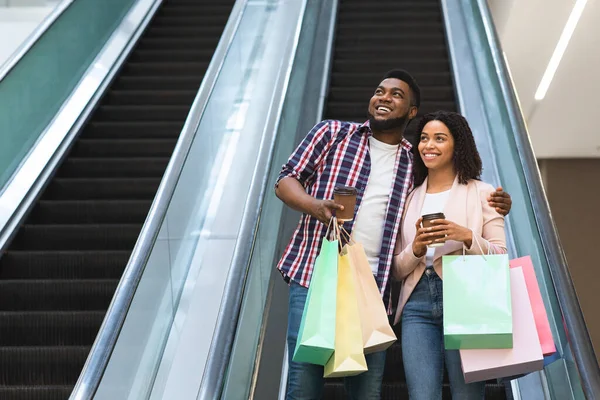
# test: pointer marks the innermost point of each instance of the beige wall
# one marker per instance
(573, 189)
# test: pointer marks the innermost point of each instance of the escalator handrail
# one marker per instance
(579, 338)
(219, 355)
(108, 334)
(32, 39)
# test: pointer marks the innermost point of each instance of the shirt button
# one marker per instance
(428, 271)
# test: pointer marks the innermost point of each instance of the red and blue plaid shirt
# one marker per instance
(336, 153)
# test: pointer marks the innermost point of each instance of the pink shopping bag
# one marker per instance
(526, 354)
(537, 304)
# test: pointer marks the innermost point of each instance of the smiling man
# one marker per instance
(377, 160)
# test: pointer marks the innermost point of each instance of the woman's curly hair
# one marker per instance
(467, 162)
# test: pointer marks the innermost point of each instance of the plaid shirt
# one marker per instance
(337, 153)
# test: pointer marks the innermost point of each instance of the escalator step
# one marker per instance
(29, 365)
(49, 392)
(183, 43)
(67, 264)
(142, 113)
(423, 65)
(200, 13)
(76, 237)
(390, 6)
(389, 391)
(374, 77)
(390, 16)
(358, 94)
(164, 68)
(102, 188)
(413, 37)
(394, 28)
(56, 295)
(185, 31)
(118, 148)
(150, 97)
(133, 130)
(359, 109)
(90, 211)
(113, 167)
(128, 82)
(186, 21)
(50, 328)
(395, 53)
(187, 54)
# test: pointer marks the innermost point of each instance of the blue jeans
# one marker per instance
(423, 346)
(306, 382)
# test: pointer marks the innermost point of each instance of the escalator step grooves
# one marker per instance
(60, 271)
(370, 40)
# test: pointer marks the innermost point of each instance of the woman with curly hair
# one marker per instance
(447, 179)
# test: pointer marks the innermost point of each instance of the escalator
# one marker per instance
(59, 273)
(371, 40)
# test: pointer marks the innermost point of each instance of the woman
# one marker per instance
(447, 172)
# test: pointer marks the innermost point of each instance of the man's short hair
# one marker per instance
(404, 76)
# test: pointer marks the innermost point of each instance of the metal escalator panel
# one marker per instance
(371, 40)
(59, 273)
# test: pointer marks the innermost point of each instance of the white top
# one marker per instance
(370, 220)
(434, 203)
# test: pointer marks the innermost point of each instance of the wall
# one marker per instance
(573, 190)
(16, 24)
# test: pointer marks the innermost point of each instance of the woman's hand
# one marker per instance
(422, 239)
(452, 231)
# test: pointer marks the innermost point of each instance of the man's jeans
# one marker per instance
(305, 381)
(423, 346)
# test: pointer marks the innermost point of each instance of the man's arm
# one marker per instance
(299, 170)
(304, 161)
(293, 194)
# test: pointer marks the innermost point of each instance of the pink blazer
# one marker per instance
(467, 206)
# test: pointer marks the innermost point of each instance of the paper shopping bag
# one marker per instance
(526, 354)
(378, 335)
(537, 304)
(348, 358)
(477, 302)
(316, 336)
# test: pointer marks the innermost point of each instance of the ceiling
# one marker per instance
(562, 125)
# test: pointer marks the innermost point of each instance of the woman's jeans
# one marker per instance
(306, 382)
(423, 346)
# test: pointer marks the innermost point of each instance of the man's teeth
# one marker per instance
(383, 109)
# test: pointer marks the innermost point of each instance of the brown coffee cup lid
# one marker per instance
(345, 190)
(428, 217)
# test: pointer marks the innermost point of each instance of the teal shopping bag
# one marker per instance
(316, 337)
(477, 302)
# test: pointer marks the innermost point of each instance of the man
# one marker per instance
(377, 160)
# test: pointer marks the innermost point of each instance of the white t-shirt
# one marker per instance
(434, 203)
(370, 220)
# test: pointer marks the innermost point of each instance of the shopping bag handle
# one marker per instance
(489, 252)
(332, 222)
(346, 235)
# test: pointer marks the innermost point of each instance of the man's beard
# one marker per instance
(387, 124)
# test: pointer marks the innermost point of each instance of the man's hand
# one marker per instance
(500, 200)
(323, 210)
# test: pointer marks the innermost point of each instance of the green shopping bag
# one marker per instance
(316, 337)
(477, 302)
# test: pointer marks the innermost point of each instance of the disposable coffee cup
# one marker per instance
(346, 196)
(427, 218)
